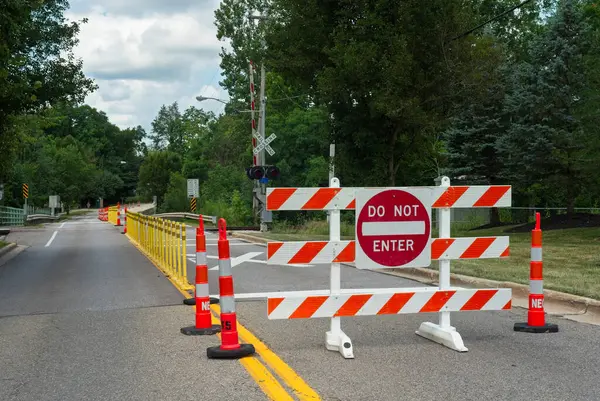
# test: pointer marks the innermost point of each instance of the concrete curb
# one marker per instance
(562, 303)
(7, 249)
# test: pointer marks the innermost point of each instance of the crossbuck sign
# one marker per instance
(260, 145)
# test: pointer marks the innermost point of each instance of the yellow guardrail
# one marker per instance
(164, 242)
(112, 214)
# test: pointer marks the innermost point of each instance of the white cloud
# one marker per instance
(146, 53)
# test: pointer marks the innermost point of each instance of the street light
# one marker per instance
(202, 98)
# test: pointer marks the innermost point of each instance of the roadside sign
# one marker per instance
(25, 191)
(193, 205)
(1, 191)
(264, 144)
(193, 188)
(54, 201)
(393, 228)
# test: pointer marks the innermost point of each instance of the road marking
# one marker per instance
(51, 239)
(240, 259)
(266, 381)
(62, 225)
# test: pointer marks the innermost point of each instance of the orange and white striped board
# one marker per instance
(326, 252)
(295, 305)
(345, 198)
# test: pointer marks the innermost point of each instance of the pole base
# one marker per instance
(192, 301)
(339, 342)
(546, 328)
(447, 336)
(193, 331)
(218, 353)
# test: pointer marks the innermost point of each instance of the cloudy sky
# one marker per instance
(145, 53)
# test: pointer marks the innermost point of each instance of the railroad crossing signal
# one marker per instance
(25, 191)
(193, 205)
(264, 144)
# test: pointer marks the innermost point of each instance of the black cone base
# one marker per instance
(218, 353)
(192, 301)
(547, 328)
(193, 331)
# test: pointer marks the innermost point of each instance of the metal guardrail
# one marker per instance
(184, 215)
(11, 216)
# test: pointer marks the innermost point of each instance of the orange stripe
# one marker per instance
(479, 299)
(396, 302)
(308, 252)
(272, 304)
(347, 254)
(278, 197)
(273, 247)
(477, 248)
(437, 301)
(201, 274)
(450, 196)
(506, 252)
(439, 246)
(308, 307)
(353, 304)
(321, 198)
(491, 196)
(200, 243)
(352, 205)
(535, 271)
(508, 304)
(536, 238)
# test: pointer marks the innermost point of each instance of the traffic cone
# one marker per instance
(535, 315)
(204, 324)
(230, 346)
(200, 261)
(118, 214)
(124, 221)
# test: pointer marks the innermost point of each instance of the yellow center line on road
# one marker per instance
(257, 370)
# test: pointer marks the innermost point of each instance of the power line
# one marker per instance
(491, 19)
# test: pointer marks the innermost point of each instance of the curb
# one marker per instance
(575, 304)
(7, 249)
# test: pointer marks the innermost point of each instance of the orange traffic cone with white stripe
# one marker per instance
(536, 320)
(201, 299)
(230, 346)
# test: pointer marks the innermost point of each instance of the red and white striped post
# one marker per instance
(536, 322)
(230, 346)
(118, 214)
(201, 297)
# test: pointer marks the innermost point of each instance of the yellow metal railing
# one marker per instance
(164, 242)
(112, 214)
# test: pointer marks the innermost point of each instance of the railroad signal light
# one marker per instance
(272, 172)
(262, 172)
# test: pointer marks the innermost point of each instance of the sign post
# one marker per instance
(25, 197)
(393, 228)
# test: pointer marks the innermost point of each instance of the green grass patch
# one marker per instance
(3, 244)
(571, 256)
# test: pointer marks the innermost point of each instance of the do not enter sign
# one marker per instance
(393, 228)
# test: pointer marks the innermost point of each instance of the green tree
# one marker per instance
(168, 130)
(155, 173)
(37, 65)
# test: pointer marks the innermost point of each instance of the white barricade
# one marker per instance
(393, 230)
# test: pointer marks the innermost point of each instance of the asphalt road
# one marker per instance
(85, 316)
(392, 362)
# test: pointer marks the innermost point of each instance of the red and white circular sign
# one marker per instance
(393, 229)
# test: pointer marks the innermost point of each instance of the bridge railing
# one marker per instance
(185, 215)
(11, 216)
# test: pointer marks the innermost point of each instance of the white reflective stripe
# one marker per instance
(536, 286)
(227, 304)
(536, 254)
(225, 267)
(202, 290)
(200, 258)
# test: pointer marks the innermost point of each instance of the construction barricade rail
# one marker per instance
(162, 241)
(393, 230)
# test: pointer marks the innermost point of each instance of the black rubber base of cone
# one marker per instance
(193, 331)
(218, 353)
(547, 328)
(192, 301)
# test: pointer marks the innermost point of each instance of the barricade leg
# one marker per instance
(200, 250)
(230, 346)
(536, 320)
(443, 333)
(335, 338)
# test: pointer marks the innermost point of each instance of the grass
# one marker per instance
(3, 244)
(571, 256)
